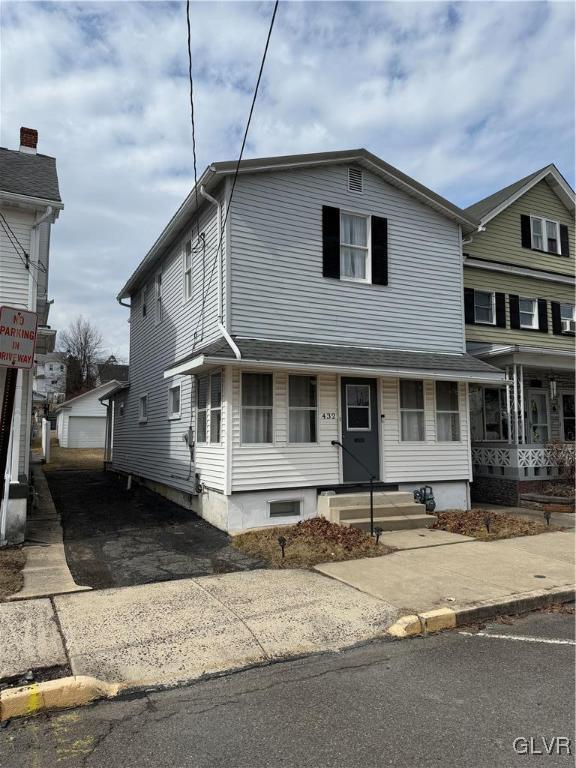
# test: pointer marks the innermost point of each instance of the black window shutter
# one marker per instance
(564, 242)
(379, 251)
(543, 315)
(526, 234)
(501, 310)
(469, 305)
(556, 318)
(330, 242)
(514, 311)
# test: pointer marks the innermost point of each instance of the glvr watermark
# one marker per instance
(540, 745)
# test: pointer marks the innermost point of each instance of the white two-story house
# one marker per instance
(29, 204)
(306, 338)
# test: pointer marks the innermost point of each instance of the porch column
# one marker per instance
(508, 406)
(522, 425)
(515, 401)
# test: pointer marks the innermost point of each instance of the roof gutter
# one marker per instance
(221, 327)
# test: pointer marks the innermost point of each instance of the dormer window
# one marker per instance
(545, 234)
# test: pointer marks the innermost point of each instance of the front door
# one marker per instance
(360, 427)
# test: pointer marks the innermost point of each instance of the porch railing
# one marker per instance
(523, 462)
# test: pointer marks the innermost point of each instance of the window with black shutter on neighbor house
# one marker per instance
(484, 307)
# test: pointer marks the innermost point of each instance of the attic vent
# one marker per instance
(355, 180)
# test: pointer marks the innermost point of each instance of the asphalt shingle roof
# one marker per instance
(487, 204)
(26, 174)
(288, 352)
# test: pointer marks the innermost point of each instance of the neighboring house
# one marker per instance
(29, 204)
(81, 421)
(519, 278)
(332, 312)
(50, 377)
(111, 370)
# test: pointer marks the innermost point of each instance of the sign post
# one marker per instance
(18, 329)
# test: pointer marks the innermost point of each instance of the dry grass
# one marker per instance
(74, 458)
(12, 561)
(473, 523)
(309, 543)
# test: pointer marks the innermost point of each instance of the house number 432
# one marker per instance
(328, 415)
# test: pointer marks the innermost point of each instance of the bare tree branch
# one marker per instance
(81, 343)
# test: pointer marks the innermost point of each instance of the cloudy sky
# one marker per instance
(466, 97)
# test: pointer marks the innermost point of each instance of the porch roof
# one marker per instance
(534, 357)
(338, 359)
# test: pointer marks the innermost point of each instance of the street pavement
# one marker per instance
(448, 700)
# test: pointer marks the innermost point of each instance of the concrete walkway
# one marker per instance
(174, 631)
(463, 574)
(46, 571)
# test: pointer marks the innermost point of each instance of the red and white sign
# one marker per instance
(17, 337)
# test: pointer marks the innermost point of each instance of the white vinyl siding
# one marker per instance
(174, 393)
(14, 277)
(277, 287)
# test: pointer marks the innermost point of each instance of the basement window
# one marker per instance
(288, 508)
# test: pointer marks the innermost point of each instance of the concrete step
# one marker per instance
(357, 513)
(362, 499)
(395, 523)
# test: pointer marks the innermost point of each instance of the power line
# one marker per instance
(16, 244)
(271, 27)
(25, 262)
(191, 80)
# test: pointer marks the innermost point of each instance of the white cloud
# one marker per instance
(466, 97)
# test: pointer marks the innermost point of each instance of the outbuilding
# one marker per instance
(81, 421)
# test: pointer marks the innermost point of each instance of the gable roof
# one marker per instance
(30, 175)
(495, 203)
(102, 389)
(216, 172)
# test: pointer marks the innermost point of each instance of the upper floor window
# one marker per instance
(545, 234)
(257, 402)
(447, 412)
(484, 307)
(215, 406)
(568, 318)
(528, 309)
(188, 271)
(302, 404)
(143, 300)
(354, 250)
(158, 289)
(201, 408)
(143, 409)
(411, 410)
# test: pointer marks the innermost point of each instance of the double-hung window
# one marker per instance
(257, 403)
(484, 307)
(158, 288)
(188, 271)
(447, 412)
(302, 406)
(567, 317)
(201, 408)
(174, 402)
(354, 250)
(411, 410)
(545, 234)
(528, 313)
(215, 406)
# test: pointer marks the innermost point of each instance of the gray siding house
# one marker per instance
(305, 338)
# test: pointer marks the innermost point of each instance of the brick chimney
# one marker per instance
(28, 140)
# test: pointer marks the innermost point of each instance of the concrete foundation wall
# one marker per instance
(448, 495)
(251, 510)
(16, 521)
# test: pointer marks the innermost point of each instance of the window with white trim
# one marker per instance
(215, 406)
(545, 234)
(287, 508)
(447, 412)
(411, 410)
(158, 297)
(538, 428)
(143, 409)
(302, 409)
(567, 317)
(528, 309)
(187, 258)
(174, 401)
(484, 307)
(201, 408)
(143, 300)
(257, 404)
(354, 250)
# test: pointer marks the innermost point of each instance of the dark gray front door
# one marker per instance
(360, 427)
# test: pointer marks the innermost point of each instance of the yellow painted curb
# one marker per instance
(422, 623)
(53, 694)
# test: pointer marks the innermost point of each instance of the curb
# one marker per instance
(449, 618)
(54, 694)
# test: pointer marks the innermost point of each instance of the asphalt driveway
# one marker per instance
(118, 538)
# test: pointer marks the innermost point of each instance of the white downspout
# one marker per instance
(221, 326)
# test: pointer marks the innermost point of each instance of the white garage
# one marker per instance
(81, 421)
